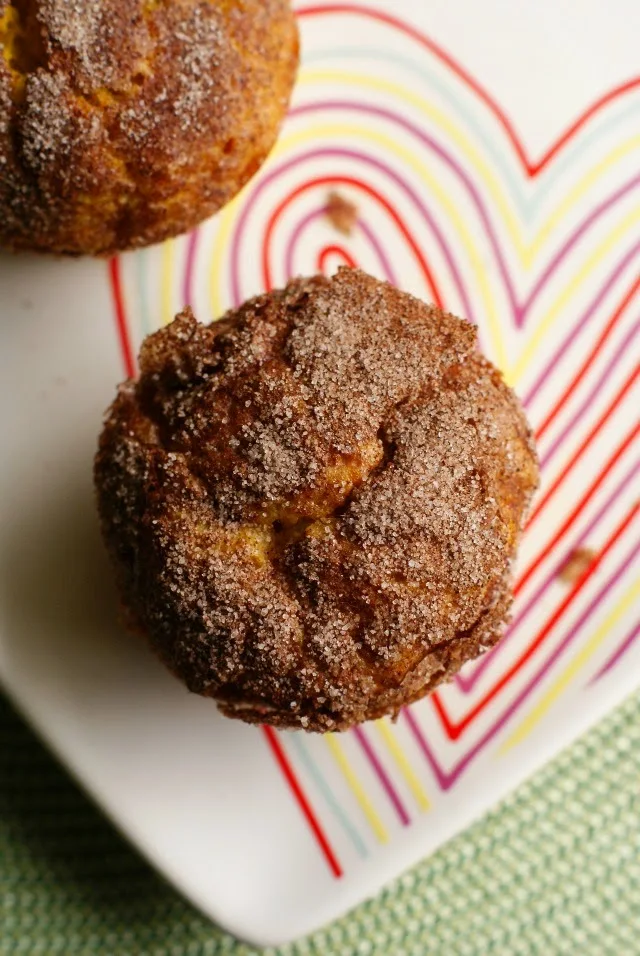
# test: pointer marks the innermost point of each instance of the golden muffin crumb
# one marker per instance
(577, 563)
(341, 213)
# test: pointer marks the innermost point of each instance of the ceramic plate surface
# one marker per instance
(493, 153)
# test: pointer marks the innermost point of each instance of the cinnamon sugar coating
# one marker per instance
(313, 505)
(124, 122)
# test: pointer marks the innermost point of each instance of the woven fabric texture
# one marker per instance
(554, 869)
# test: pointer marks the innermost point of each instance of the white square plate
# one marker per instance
(492, 151)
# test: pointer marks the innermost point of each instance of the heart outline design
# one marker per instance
(532, 169)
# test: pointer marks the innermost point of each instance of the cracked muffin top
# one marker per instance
(313, 504)
(123, 122)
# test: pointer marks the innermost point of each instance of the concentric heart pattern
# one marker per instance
(545, 258)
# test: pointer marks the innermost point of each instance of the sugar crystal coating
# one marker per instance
(313, 505)
(123, 122)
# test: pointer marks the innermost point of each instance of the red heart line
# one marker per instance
(328, 252)
(370, 191)
(453, 728)
(588, 362)
(531, 168)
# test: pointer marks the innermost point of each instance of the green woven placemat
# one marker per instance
(554, 869)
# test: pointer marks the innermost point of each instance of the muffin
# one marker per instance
(124, 122)
(313, 505)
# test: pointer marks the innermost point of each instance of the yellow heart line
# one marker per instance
(614, 237)
(430, 182)
(357, 788)
(527, 253)
(404, 765)
(570, 672)
(227, 222)
(167, 270)
(512, 374)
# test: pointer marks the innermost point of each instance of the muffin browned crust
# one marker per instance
(123, 122)
(313, 504)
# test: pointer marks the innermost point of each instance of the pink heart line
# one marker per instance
(582, 321)
(618, 654)
(417, 201)
(519, 309)
(370, 161)
(320, 213)
(382, 775)
(578, 326)
(466, 682)
(587, 403)
(446, 779)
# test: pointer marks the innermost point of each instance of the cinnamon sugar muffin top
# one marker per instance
(124, 122)
(313, 504)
